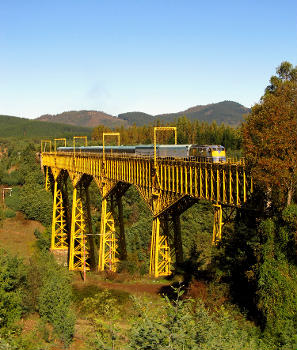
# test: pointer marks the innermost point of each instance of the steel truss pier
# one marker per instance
(168, 187)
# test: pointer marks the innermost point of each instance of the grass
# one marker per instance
(17, 235)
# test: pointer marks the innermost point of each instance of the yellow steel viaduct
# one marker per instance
(168, 187)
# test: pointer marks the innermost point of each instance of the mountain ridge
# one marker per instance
(227, 112)
(83, 118)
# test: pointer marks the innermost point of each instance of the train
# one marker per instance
(207, 153)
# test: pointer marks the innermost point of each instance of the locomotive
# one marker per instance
(193, 152)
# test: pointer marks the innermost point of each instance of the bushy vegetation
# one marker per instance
(55, 298)
(30, 196)
(42, 286)
(188, 324)
(257, 257)
(12, 278)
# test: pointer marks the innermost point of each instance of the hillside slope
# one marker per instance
(137, 118)
(21, 127)
(84, 118)
(227, 112)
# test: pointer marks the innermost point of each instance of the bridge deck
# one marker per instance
(221, 183)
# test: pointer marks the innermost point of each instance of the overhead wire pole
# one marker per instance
(103, 141)
(79, 137)
(55, 141)
(162, 128)
(43, 143)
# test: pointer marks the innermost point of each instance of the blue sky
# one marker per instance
(151, 56)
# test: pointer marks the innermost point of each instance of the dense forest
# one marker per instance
(22, 128)
(239, 294)
(187, 132)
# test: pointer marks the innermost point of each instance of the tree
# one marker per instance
(270, 136)
(55, 297)
(12, 278)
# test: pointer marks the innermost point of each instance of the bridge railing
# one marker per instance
(222, 183)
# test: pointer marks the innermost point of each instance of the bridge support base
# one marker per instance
(160, 258)
(108, 241)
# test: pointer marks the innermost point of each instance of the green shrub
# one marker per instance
(9, 213)
(277, 281)
(36, 203)
(11, 179)
(103, 310)
(12, 278)
(23, 341)
(33, 201)
(43, 239)
(127, 266)
(103, 304)
(55, 298)
(14, 201)
(183, 324)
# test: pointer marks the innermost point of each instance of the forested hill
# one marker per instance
(84, 118)
(137, 118)
(27, 128)
(227, 112)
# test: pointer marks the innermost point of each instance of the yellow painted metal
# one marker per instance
(117, 134)
(43, 145)
(162, 128)
(60, 139)
(222, 184)
(217, 153)
(160, 257)
(175, 182)
(47, 180)
(59, 239)
(79, 251)
(75, 138)
(218, 223)
(108, 254)
(244, 186)
(237, 188)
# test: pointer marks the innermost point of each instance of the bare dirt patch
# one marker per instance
(133, 287)
(17, 235)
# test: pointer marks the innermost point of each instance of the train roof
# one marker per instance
(123, 147)
(96, 147)
(133, 147)
(167, 146)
